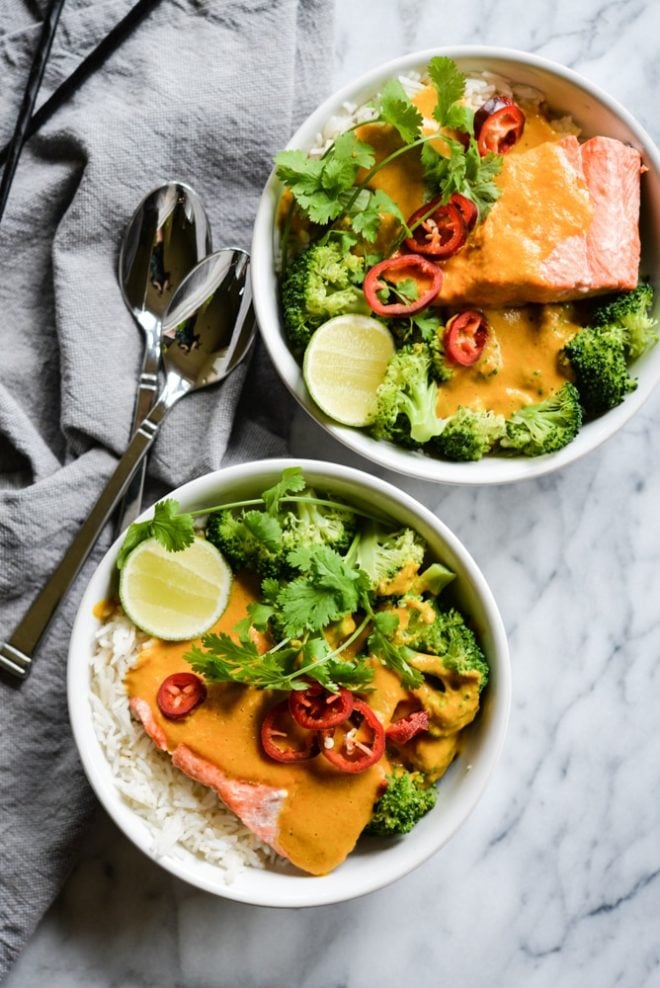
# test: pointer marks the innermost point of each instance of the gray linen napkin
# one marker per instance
(204, 91)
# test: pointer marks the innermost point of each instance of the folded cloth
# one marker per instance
(201, 92)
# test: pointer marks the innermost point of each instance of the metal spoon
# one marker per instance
(166, 237)
(209, 328)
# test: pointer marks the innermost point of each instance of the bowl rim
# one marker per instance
(310, 891)
(490, 470)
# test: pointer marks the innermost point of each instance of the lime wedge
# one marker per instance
(345, 362)
(174, 595)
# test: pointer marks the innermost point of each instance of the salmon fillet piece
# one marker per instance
(613, 245)
(256, 805)
(566, 226)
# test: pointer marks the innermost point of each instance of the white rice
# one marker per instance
(478, 88)
(182, 815)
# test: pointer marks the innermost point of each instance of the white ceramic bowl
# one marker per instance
(375, 862)
(596, 113)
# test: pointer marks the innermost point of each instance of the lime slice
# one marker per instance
(174, 595)
(345, 362)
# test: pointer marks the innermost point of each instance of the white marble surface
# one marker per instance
(555, 878)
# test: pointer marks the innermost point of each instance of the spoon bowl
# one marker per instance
(166, 237)
(211, 327)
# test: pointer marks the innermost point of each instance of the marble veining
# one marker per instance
(555, 878)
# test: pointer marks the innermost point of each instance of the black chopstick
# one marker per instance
(39, 60)
(89, 64)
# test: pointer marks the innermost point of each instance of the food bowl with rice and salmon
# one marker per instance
(288, 683)
(455, 265)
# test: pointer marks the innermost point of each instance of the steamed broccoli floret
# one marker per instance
(403, 804)
(383, 554)
(322, 282)
(469, 434)
(240, 538)
(447, 636)
(627, 317)
(407, 398)
(547, 426)
(306, 523)
(598, 359)
(257, 540)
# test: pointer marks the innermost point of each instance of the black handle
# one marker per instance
(39, 60)
(89, 64)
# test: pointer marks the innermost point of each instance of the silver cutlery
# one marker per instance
(166, 237)
(208, 329)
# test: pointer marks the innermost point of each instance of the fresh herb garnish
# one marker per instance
(320, 609)
(334, 188)
(173, 530)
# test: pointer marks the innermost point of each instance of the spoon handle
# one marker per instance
(16, 654)
(131, 504)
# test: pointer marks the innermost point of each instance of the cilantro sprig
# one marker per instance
(302, 613)
(335, 187)
(327, 591)
(174, 530)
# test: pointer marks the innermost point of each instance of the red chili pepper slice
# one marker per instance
(465, 337)
(317, 708)
(404, 730)
(358, 743)
(179, 694)
(387, 273)
(498, 125)
(281, 738)
(466, 208)
(437, 230)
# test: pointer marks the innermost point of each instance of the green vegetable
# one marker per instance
(447, 636)
(315, 591)
(598, 359)
(407, 398)
(396, 109)
(248, 540)
(322, 282)
(459, 169)
(173, 530)
(320, 184)
(469, 434)
(403, 804)
(626, 316)
(547, 426)
(263, 540)
(433, 580)
(382, 554)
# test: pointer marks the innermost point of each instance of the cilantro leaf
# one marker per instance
(174, 531)
(367, 221)
(259, 614)
(397, 110)
(449, 82)
(292, 481)
(465, 172)
(395, 657)
(320, 185)
(264, 528)
(327, 590)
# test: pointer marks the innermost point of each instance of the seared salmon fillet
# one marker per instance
(565, 227)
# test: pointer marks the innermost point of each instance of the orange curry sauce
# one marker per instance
(520, 365)
(325, 810)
